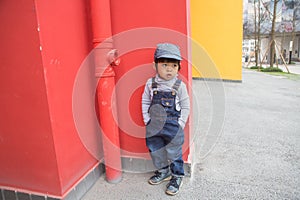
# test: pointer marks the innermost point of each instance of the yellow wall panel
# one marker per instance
(216, 30)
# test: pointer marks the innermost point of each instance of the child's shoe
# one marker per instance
(174, 185)
(160, 177)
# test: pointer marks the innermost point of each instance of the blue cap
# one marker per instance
(167, 50)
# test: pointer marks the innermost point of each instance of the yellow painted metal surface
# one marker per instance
(216, 30)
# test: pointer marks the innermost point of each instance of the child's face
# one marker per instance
(167, 70)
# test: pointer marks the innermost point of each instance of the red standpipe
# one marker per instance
(104, 60)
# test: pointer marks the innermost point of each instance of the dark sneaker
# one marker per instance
(160, 177)
(174, 185)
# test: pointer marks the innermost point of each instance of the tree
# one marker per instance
(257, 31)
(296, 7)
(272, 48)
(260, 21)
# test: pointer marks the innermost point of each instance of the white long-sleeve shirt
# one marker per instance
(182, 98)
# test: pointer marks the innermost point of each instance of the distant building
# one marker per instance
(248, 49)
(287, 27)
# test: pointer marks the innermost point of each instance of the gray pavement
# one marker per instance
(293, 68)
(247, 144)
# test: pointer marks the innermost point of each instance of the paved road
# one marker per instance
(247, 139)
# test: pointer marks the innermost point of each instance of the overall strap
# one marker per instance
(154, 84)
(176, 85)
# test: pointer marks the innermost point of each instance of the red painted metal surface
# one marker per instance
(110, 138)
(42, 48)
(65, 40)
(136, 31)
(27, 153)
(41, 144)
(101, 23)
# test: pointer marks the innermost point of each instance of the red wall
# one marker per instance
(48, 131)
(66, 40)
(26, 141)
(137, 27)
(42, 48)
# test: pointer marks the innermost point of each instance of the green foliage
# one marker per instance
(271, 69)
(256, 67)
(274, 71)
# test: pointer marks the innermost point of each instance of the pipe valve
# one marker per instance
(112, 57)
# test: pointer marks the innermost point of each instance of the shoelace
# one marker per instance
(157, 173)
(173, 182)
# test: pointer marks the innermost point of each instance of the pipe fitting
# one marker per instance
(112, 57)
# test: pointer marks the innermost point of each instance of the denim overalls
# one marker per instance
(164, 136)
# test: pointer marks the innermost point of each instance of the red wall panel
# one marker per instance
(26, 142)
(65, 41)
(43, 46)
(137, 27)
